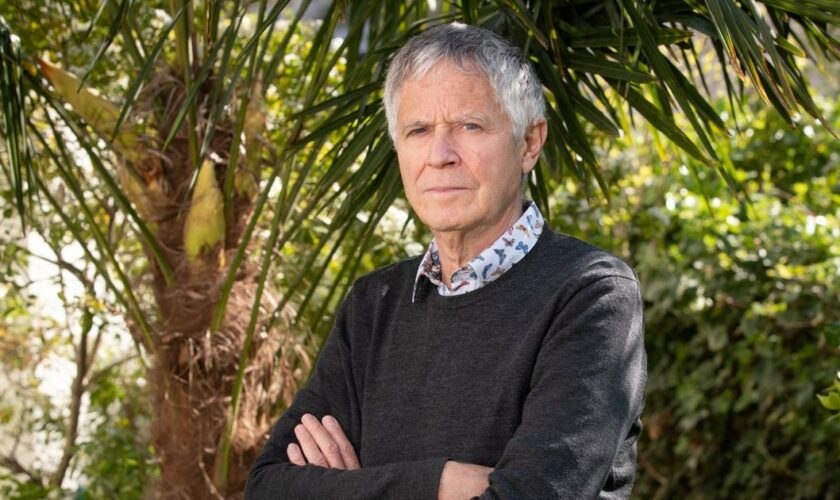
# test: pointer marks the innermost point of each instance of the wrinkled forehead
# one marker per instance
(449, 70)
(448, 90)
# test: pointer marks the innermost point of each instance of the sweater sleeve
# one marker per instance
(583, 407)
(331, 390)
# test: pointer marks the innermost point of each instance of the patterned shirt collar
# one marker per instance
(487, 266)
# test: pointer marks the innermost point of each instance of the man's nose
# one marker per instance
(442, 152)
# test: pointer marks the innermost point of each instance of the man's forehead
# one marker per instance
(453, 100)
(445, 70)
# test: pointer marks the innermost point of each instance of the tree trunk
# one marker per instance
(194, 369)
(192, 383)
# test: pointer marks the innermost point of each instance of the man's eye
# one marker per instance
(472, 126)
(416, 131)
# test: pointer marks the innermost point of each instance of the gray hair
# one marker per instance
(516, 86)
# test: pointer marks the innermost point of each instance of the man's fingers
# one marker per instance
(348, 454)
(310, 448)
(295, 455)
(323, 444)
(324, 440)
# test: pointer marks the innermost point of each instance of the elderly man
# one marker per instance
(508, 361)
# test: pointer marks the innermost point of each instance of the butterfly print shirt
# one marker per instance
(493, 262)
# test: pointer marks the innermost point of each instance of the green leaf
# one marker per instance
(137, 83)
(609, 37)
(830, 401)
(113, 29)
(827, 11)
(662, 123)
(604, 67)
(663, 71)
(14, 117)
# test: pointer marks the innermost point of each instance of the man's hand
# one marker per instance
(323, 444)
(459, 481)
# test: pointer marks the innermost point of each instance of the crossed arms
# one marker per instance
(323, 444)
(576, 419)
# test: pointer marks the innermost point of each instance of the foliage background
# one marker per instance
(742, 308)
(741, 292)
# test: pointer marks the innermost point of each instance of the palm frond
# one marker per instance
(19, 170)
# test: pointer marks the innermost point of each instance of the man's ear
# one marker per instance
(532, 145)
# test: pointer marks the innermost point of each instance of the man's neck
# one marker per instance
(457, 248)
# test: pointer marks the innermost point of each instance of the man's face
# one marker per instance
(459, 163)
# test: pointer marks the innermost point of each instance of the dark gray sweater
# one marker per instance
(539, 374)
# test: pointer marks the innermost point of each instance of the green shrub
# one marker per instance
(741, 308)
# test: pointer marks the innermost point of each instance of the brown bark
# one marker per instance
(11, 463)
(194, 368)
(193, 376)
(192, 385)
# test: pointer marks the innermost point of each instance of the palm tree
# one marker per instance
(197, 163)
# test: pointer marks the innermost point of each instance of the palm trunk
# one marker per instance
(192, 385)
(194, 368)
(193, 377)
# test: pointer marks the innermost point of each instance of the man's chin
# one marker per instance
(444, 220)
(448, 226)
